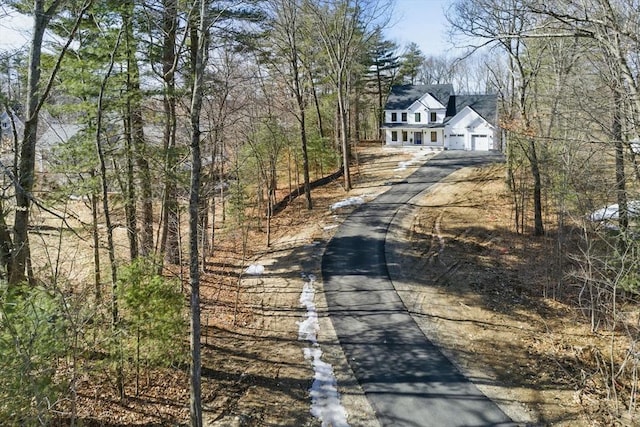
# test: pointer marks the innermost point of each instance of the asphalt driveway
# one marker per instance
(407, 380)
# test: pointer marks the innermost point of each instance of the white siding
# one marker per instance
(455, 141)
(480, 142)
(478, 133)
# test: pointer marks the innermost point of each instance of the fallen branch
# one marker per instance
(278, 207)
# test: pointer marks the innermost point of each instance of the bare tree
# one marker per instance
(507, 23)
(199, 37)
(169, 237)
(37, 92)
(115, 317)
(286, 37)
(343, 26)
(612, 26)
(136, 135)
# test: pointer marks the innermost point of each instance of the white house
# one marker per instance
(433, 116)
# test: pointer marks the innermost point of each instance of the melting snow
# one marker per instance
(612, 212)
(324, 394)
(255, 270)
(325, 399)
(417, 158)
(351, 201)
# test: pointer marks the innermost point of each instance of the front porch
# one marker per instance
(429, 138)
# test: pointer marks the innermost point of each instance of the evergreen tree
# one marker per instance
(411, 62)
(384, 64)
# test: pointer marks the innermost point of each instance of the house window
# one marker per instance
(394, 135)
(417, 118)
(404, 117)
(394, 117)
(434, 117)
(405, 136)
(434, 136)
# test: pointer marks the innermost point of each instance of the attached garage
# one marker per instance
(434, 117)
(456, 142)
(479, 143)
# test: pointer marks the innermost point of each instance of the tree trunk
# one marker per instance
(303, 129)
(537, 190)
(128, 187)
(199, 45)
(104, 187)
(96, 246)
(36, 94)
(115, 318)
(380, 112)
(316, 102)
(5, 243)
(169, 240)
(134, 97)
(344, 135)
(26, 165)
(621, 191)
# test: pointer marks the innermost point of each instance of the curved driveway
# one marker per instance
(407, 380)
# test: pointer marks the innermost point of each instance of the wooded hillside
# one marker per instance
(135, 132)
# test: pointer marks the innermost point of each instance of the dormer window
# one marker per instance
(434, 117)
(404, 117)
(394, 117)
(417, 118)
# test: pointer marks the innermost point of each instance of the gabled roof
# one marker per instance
(401, 97)
(57, 133)
(484, 105)
(413, 126)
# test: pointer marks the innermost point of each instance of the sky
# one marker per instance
(422, 22)
(419, 21)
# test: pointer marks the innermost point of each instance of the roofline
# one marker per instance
(412, 126)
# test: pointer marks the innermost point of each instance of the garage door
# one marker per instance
(479, 143)
(456, 142)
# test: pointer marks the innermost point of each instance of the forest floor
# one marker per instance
(478, 289)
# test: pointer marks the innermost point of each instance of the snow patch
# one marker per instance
(255, 270)
(612, 212)
(403, 165)
(351, 201)
(308, 329)
(325, 399)
(417, 158)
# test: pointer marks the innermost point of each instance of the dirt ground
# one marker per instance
(484, 293)
(473, 285)
(262, 349)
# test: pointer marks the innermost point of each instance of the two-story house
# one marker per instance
(433, 116)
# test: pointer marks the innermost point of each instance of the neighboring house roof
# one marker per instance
(6, 128)
(484, 105)
(57, 133)
(403, 96)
